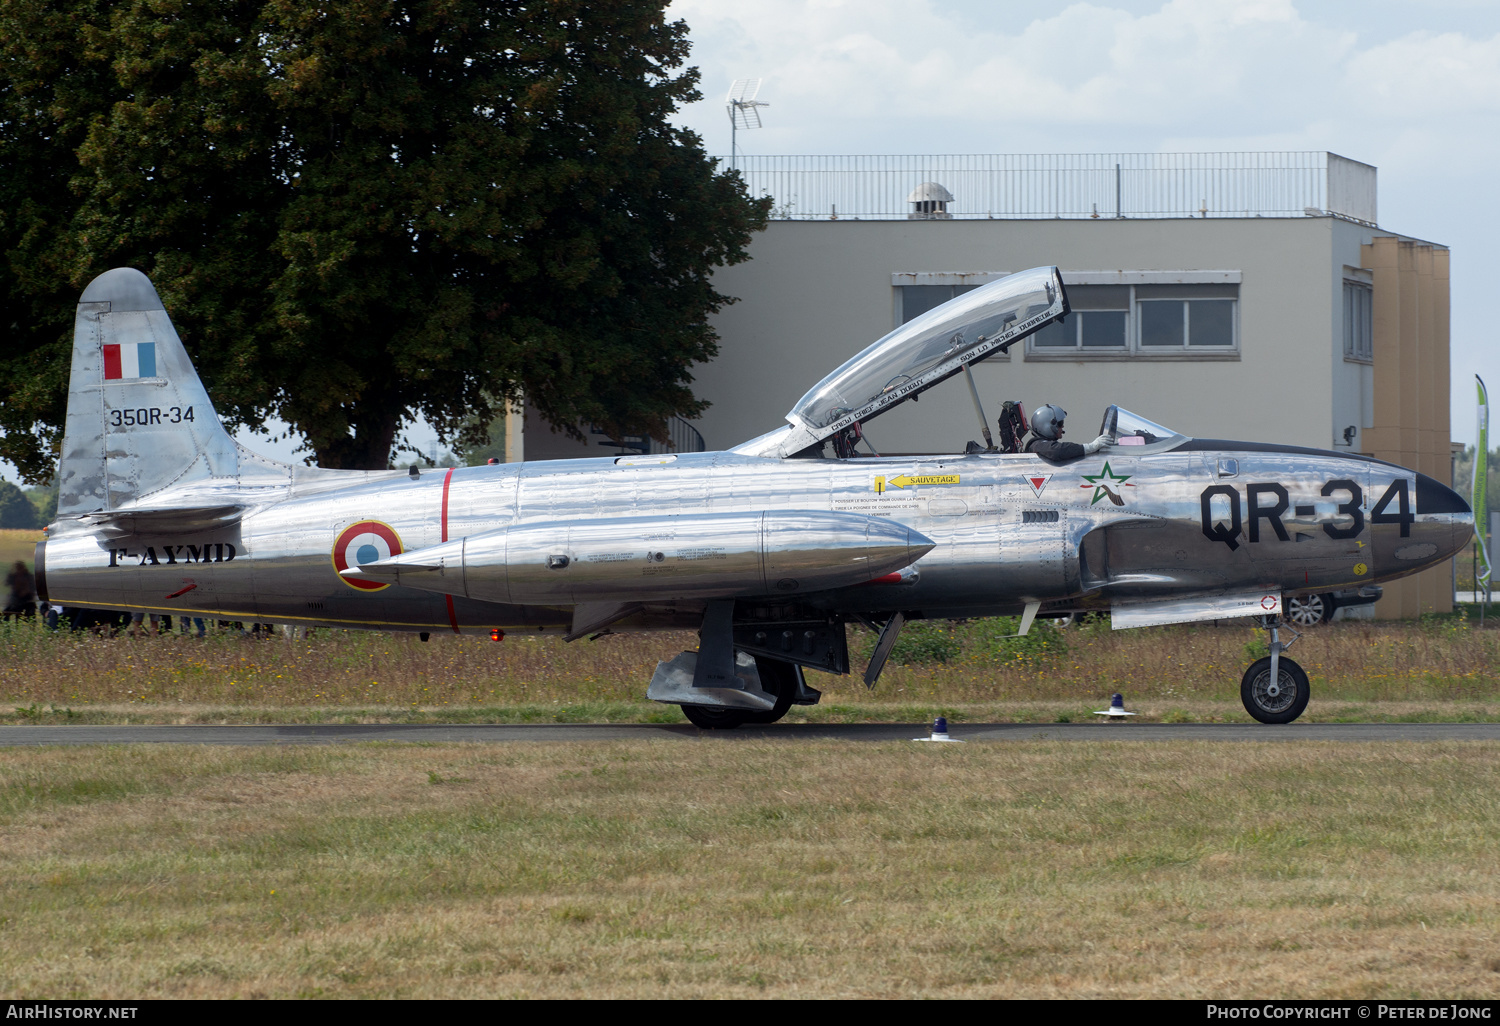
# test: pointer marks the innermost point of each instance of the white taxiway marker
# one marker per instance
(940, 732)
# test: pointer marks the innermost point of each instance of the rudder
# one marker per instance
(139, 419)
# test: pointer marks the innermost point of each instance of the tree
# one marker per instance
(16, 509)
(360, 212)
(44, 500)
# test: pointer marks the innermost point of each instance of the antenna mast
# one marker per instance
(743, 111)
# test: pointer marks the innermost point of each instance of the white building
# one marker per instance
(1245, 296)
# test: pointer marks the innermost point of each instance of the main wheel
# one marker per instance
(713, 717)
(1279, 701)
(1309, 610)
(777, 678)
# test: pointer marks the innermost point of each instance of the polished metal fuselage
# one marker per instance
(1008, 530)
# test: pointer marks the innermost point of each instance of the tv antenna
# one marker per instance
(744, 112)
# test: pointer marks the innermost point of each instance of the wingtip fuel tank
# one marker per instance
(695, 556)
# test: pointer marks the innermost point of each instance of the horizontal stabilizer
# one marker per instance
(1214, 605)
(157, 521)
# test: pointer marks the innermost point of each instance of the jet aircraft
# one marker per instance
(769, 550)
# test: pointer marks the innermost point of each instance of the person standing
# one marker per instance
(22, 598)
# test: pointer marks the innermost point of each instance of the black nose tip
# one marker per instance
(1447, 519)
(1433, 497)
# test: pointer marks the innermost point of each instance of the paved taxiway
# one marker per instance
(490, 733)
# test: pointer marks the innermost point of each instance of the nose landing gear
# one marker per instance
(1275, 689)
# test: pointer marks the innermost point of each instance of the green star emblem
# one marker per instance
(1101, 483)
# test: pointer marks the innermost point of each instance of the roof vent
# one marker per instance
(929, 202)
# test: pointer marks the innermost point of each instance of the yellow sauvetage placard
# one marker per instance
(907, 481)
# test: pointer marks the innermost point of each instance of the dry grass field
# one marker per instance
(16, 545)
(1362, 670)
(728, 867)
(735, 866)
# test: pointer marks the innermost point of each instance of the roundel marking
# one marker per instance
(365, 542)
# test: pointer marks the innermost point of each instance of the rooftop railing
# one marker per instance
(1067, 185)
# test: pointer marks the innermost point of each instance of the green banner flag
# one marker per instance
(1480, 504)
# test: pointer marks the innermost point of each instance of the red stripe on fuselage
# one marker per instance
(447, 480)
(111, 363)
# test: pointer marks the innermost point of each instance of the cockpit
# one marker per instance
(927, 350)
(1131, 429)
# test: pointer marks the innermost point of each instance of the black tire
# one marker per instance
(1310, 610)
(778, 678)
(1281, 704)
(713, 717)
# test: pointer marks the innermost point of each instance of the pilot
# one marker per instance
(1046, 436)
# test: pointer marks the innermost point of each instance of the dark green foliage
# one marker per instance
(493, 445)
(984, 642)
(16, 510)
(923, 642)
(44, 498)
(994, 642)
(360, 212)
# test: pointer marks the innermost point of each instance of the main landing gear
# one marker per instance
(721, 686)
(1275, 689)
(781, 679)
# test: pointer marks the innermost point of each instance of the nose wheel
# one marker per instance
(1275, 689)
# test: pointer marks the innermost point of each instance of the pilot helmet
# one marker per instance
(1047, 421)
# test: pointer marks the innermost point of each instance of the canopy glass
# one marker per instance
(1131, 429)
(932, 348)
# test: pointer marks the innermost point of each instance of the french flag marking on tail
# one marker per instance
(129, 360)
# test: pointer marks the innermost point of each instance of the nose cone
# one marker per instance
(831, 550)
(1443, 520)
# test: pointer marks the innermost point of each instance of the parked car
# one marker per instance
(1311, 610)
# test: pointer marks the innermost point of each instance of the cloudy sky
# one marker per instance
(1411, 87)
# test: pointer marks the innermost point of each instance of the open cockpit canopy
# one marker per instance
(921, 353)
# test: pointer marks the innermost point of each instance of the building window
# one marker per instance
(1359, 330)
(1100, 321)
(918, 299)
(1144, 321)
(1186, 318)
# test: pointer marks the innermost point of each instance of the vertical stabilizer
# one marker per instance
(139, 420)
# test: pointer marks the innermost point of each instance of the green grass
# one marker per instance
(1322, 710)
(1437, 660)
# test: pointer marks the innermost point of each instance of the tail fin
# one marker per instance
(140, 430)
